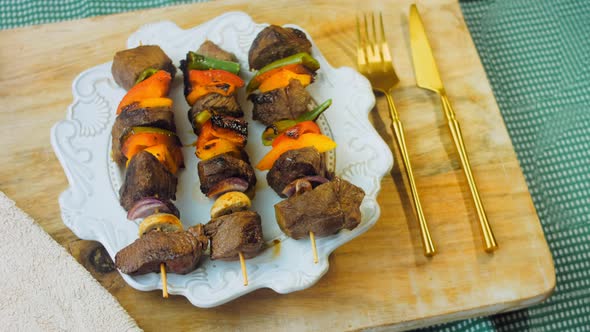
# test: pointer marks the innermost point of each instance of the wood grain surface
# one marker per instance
(378, 281)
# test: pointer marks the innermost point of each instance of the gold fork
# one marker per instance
(374, 62)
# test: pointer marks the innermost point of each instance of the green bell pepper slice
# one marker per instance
(302, 58)
(274, 130)
(146, 74)
(201, 62)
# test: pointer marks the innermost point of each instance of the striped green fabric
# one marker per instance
(535, 53)
(17, 13)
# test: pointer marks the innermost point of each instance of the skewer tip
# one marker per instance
(244, 272)
(164, 280)
(313, 248)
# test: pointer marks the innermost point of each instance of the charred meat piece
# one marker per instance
(292, 165)
(211, 50)
(236, 125)
(129, 64)
(215, 103)
(222, 167)
(157, 117)
(274, 43)
(179, 251)
(279, 104)
(146, 177)
(233, 233)
(324, 210)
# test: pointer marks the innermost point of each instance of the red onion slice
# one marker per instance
(150, 205)
(301, 185)
(227, 185)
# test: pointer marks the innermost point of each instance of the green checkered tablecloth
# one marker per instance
(536, 56)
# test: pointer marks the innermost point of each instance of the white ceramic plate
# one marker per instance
(90, 206)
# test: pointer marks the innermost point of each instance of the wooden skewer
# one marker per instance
(163, 272)
(313, 247)
(244, 272)
(164, 281)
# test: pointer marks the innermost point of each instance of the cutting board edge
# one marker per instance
(488, 310)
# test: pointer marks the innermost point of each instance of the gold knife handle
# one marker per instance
(427, 243)
(488, 236)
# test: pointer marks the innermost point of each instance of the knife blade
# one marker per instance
(425, 69)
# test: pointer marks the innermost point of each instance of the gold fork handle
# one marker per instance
(427, 243)
(488, 236)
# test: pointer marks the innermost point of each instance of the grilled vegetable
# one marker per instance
(221, 134)
(308, 65)
(150, 205)
(149, 103)
(229, 203)
(164, 156)
(156, 86)
(164, 222)
(271, 132)
(204, 82)
(296, 131)
(321, 142)
(140, 138)
(201, 62)
(145, 74)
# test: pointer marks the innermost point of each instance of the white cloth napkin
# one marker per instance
(43, 288)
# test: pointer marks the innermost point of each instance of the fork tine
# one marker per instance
(375, 41)
(370, 46)
(361, 56)
(382, 30)
(365, 23)
(386, 56)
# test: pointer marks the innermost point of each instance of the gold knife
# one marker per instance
(427, 77)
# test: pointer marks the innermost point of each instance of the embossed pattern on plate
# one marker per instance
(90, 206)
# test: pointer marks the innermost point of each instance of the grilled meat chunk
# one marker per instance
(129, 64)
(211, 50)
(233, 233)
(222, 167)
(146, 177)
(324, 210)
(292, 165)
(157, 117)
(274, 43)
(179, 251)
(279, 104)
(217, 104)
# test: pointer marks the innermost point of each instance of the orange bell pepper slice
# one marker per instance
(200, 90)
(297, 130)
(259, 79)
(213, 80)
(321, 142)
(163, 154)
(214, 76)
(281, 79)
(155, 86)
(145, 138)
(149, 103)
(213, 141)
(213, 147)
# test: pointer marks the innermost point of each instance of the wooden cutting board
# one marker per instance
(379, 280)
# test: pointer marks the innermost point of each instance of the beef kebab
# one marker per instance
(318, 203)
(144, 142)
(211, 83)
